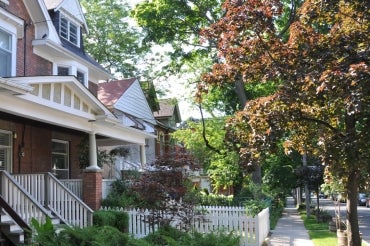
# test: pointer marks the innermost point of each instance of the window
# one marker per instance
(81, 77)
(60, 158)
(6, 150)
(69, 30)
(5, 54)
(63, 71)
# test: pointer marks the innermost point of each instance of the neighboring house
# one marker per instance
(48, 89)
(168, 116)
(126, 99)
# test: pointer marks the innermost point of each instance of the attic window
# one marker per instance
(69, 31)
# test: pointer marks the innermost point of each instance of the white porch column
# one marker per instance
(142, 156)
(93, 157)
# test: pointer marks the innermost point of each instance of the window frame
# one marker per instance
(83, 81)
(65, 30)
(57, 171)
(9, 149)
(11, 52)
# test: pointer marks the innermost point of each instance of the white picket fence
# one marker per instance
(251, 230)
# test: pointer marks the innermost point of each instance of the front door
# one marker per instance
(6, 150)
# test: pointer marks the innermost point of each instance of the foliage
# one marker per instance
(318, 231)
(322, 104)
(105, 235)
(117, 219)
(43, 233)
(276, 209)
(103, 156)
(311, 175)
(117, 51)
(278, 172)
(173, 237)
(221, 165)
(254, 207)
(215, 200)
(46, 235)
(121, 195)
(110, 236)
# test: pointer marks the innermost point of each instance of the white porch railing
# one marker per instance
(20, 200)
(50, 192)
(75, 185)
(251, 230)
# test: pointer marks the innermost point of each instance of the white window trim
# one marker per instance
(67, 156)
(68, 30)
(12, 31)
(73, 68)
(9, 165)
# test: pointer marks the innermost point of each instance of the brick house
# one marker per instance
(49, 104)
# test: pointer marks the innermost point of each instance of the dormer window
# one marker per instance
(69, 30)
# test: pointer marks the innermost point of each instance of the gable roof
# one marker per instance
(110, 92)
(73, 7)
(126, 96)
(168, 108)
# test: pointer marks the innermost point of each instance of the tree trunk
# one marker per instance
(240, 91)
(352, 215)
(352, 163)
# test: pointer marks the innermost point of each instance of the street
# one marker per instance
(363, 215)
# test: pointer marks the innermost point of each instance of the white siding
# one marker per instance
(134, 102)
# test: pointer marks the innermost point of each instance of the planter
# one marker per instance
(332, 226)
(342, 237)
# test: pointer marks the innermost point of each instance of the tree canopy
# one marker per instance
(322, 104)
(113, 40)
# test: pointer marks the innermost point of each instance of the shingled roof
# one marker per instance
(110, 92)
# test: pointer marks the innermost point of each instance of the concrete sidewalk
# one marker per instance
(290, 229)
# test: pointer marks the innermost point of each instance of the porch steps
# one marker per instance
(11, 230)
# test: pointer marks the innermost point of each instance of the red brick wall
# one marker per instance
(92, 188)
(36, 138)
(28, 64)
(93, 88)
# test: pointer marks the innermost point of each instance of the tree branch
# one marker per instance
(291, 18)
(321, 122)
(204, 133)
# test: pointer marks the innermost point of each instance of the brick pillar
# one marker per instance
(92, 188)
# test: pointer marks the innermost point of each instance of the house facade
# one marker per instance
(167, 117)
(48, 97)
(126, 99)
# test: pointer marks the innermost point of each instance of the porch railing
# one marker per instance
(75, 185)
(49, 191)
(20, 200)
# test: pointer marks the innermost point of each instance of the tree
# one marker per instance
(221, 165)
(322, 104)
(177, 23)
(113, 40)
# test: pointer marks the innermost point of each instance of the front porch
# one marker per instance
(41, 130)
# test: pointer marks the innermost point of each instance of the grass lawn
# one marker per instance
(319, 232)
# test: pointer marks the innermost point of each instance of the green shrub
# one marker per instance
(214, 239)
(117, 219)
(172, 237)
(105, 235)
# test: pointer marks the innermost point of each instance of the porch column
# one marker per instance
(93, 157)
(92, 178)
(142, 156)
